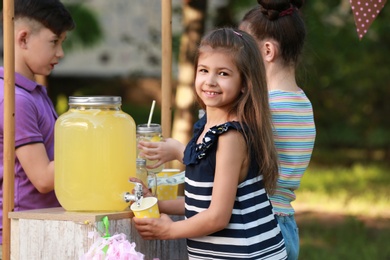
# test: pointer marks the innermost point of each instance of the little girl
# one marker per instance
(231, 161)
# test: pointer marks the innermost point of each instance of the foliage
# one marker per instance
(87, 32)
(346, 79)
(140, 114)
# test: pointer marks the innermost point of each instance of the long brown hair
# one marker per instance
(251, 107)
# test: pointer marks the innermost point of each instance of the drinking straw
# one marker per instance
(151, 112)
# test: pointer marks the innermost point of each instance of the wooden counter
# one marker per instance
(48, 234)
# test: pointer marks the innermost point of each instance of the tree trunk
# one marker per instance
(185, 115)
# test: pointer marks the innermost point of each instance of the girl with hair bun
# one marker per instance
(280, 32)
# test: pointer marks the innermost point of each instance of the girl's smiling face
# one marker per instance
(218, 80)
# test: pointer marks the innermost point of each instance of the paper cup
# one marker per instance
(147, 209)
(167, 192)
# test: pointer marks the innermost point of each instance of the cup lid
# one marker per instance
(152, 128)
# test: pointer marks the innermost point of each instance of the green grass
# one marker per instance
(356, 190)
(349, 239)
(344, 213)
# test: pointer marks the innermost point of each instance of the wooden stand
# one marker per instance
(54, 233)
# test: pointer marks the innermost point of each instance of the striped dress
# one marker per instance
(253, 231)
(294, 132)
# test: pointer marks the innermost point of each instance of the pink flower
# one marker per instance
(119, 248)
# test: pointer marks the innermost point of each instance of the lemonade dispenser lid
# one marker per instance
(95, 100)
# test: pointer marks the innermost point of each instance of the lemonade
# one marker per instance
(164, 191)
(95, 154)
(151, 133)
(142, 173)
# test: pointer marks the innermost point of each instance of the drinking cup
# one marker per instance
(148, 208)
(150, 133)
(167, 190)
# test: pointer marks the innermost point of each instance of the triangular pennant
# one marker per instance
(365, 12)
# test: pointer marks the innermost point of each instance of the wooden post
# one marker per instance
(9, 123)
(166, 67)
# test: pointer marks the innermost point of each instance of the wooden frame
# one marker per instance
(9, 103)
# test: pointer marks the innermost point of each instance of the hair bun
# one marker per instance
(273, 9)
(269, 13)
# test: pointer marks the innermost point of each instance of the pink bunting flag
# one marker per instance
(365, 12)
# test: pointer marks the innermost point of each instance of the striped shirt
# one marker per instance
(253, 231)
(294, 132)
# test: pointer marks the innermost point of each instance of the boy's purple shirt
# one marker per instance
(35, 117)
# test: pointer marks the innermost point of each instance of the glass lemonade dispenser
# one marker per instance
(95, 154)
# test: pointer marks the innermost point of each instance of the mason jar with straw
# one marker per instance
(150, 132)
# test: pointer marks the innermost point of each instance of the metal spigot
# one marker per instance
(137, 196)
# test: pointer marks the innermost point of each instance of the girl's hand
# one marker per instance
(154, 228)
(165, 151)
(146, 192)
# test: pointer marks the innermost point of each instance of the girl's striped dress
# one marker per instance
(253, 232)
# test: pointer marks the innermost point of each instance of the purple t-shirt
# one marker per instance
(34, 123)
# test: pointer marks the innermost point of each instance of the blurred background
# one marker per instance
(343, 205)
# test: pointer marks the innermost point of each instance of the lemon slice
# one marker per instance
(155, 138)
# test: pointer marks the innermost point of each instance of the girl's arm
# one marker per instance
(231, 168)
(172, 207)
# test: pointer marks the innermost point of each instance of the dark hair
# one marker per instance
(279, 20)
(51, 13)
(251, 107)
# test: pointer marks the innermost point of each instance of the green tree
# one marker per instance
(346, 79)
(88, 31)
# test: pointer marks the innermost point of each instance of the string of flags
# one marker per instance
(365, 12)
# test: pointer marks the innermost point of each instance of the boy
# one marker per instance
(40, 29)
